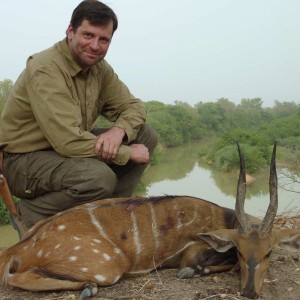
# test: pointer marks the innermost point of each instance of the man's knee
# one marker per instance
(90, 179)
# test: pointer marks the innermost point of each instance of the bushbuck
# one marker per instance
(98, 243)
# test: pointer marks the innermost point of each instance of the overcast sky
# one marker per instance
(168, 50)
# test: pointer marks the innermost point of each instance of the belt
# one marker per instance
(5, 191)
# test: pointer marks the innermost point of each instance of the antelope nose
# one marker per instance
(249, 294)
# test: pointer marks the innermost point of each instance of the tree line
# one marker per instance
(248, 123)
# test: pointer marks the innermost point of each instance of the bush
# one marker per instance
(3, 214)
(227, 158)
(4, 219)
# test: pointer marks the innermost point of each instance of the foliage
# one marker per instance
(3, 213)
(282, 128)
(4, 219)
(175, 124)
(226, 158)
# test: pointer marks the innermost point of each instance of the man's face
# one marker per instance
(89, 44)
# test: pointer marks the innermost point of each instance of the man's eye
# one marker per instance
(104, 41)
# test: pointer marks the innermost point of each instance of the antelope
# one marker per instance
(98, 243)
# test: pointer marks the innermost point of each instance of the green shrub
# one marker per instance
(227, 158)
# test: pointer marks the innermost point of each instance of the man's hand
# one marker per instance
(139, 153)
(109, 143)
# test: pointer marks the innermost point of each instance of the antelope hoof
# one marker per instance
(186, 272)
(90, 290)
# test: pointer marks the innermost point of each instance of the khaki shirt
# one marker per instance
(52, 105)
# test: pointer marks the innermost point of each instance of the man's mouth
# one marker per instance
(93, 55)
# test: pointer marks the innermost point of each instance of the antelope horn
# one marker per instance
(240, 197)
(267, 223)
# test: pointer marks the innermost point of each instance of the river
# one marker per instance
(181, 172)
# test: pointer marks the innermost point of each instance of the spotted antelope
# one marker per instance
(98, 243)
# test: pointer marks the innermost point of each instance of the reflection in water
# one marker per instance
(181, 173)
(174, 164)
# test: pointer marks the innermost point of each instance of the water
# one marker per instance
(8, 236)
(220, 188)
(181, 172)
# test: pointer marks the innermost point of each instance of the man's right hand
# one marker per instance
(139, 153)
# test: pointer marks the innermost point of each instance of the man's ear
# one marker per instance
(220, 240)
(69, 31)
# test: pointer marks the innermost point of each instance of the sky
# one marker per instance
(171, 50)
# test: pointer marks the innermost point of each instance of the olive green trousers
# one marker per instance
(48, 183)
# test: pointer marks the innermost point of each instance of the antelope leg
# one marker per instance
(32, 281)
(202, 259)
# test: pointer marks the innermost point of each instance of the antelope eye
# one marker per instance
(268, 254)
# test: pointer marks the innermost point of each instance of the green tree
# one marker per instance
(250, 113)
(284, 109)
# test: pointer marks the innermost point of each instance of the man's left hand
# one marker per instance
(109, 143)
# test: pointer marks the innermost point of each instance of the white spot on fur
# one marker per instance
(84, 269)
(73, 258)
(57, 247)
(106, 256)
(76, 238)
(97, 241)
(40, 253)
(206, 271)
(96, 251)
(77, 248)
(61, 227)
(117, 250)
(34, 240)
(25, 247)
(47, 254)
(100, 278)
(257, 266)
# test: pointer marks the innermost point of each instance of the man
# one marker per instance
(54, 157)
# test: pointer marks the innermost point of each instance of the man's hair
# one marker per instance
(96, 12)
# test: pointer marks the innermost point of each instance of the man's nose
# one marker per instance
(95, 45)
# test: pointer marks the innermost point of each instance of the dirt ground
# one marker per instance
(282, 282)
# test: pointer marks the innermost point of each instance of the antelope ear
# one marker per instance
(288, 239)
(221, 240)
